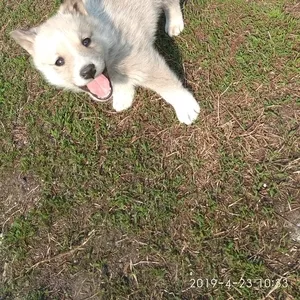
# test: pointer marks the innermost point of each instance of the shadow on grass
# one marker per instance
(168, 48)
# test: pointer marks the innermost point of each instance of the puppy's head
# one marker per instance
(69, 51)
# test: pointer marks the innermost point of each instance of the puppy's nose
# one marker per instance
(88, 72)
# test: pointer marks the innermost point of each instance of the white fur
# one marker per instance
(186, 107)
(123, 96)
(174, 20)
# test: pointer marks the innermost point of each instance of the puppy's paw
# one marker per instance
(174, 25)
(187, 109)
(122, 98)
(120, 104)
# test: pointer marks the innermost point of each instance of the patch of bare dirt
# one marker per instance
(293, 9)
(103, 258)
(19, 193)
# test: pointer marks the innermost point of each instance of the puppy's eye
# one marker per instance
(86, 42)
(60, 62)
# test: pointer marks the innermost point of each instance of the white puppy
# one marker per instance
(106, 48)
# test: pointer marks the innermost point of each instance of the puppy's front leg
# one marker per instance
(162, 80)
(123, 94)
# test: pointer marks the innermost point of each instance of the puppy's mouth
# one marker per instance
(100, 87)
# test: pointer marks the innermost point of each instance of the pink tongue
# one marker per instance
(100, 86)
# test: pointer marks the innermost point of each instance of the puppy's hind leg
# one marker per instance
(174, 19)
(162, 80)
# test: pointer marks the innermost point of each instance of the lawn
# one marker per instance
(96, 204)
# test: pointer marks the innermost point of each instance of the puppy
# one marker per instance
(105, 48)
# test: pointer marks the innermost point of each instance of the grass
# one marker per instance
(103, 205)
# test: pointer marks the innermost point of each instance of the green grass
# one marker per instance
(136, 206)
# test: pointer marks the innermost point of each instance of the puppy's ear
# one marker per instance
(72, 7)
(25, 38)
